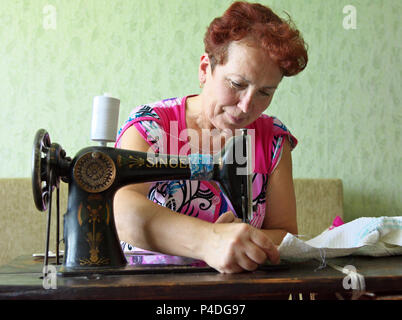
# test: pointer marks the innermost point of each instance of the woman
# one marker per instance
(247, 53)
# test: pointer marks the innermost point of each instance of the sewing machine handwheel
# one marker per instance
(41, 169)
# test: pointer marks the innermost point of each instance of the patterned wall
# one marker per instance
(345, 108)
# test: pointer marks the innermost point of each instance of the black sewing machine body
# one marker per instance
(96, 173)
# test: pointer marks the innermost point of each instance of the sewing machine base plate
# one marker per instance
(26, 264)
(149, 269)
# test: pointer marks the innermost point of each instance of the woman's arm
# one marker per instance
(227, 247)
(147, 225)
(280, 215)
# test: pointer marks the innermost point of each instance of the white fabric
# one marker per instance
(364, 236)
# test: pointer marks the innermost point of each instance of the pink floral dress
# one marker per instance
(163, 126)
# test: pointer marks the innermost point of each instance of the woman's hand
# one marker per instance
(236, 247)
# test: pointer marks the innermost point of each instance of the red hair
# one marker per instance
(279, 38)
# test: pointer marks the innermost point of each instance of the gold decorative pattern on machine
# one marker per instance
(94, 213)
(130, 161)
(94, 172)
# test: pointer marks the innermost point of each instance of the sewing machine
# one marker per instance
(97, 172)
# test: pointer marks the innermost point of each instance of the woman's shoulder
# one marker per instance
(269, 125)
(265, 120)
(274, 124)
(153, 110)
(157, 113)
(151, 119)
(278, 126)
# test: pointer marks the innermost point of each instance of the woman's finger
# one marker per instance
(265, 243)
(256, 254)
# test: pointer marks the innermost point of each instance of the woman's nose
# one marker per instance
(245, 102)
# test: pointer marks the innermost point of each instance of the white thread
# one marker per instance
(323, 263)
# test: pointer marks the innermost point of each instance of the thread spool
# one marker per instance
(105, 118)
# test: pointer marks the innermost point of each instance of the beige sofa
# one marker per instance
(23, 227)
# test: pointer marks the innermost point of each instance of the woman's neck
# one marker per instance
(195, 117)
(210, 139)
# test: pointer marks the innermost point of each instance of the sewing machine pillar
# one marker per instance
(90, 234)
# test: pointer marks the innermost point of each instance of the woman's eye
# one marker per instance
(236, 85)
(266, 94)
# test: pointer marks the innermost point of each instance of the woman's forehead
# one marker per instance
(249, 61)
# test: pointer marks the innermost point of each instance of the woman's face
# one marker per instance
(236, 93)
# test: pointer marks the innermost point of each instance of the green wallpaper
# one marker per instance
(345, 108)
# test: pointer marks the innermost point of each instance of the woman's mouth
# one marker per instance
(234, 119)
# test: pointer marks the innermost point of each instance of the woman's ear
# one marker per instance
(203, 69)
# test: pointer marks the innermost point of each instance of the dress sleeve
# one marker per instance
(148, 124)
(280, 133)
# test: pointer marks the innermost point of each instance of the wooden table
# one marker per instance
(23, 279)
